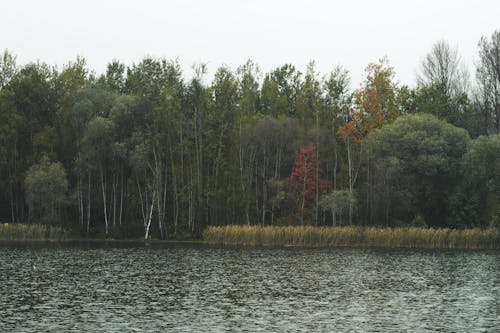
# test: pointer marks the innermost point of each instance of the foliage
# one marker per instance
(455, 109)
(375, 104)
(418, 222)
(305, 180)
(142, 150)
(419, 157)
(481, 179)
(46, 187)
(338, 201)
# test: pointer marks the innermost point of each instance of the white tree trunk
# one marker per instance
(103, 187)
(88, 205)
(148, 224)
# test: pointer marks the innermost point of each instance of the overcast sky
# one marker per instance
(272, 33)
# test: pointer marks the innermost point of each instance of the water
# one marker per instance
(204, 289)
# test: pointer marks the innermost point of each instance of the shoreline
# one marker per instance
(294, 237)
(124, 243)
(97, 241)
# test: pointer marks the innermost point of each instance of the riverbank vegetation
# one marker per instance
(143, 151)
(411, 237)
(31, 232)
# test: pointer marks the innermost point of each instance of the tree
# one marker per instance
(10, 124)
(418, 158)
(443, 87)
(247, 108)
(98, 150)
(67, 85)
(248, 88)
(195, 169)
(433, 99)
(337, 202)
(488, 76)
(8, 68)
(304, 180)
(31, 105)
(443, 84)
(279, 91)
(145, 79)
(10, 130)
(139, 141)
(220, 132)
(375, 104)
(480, 190)
(272, 144)
(46, 187)
(442, 66)
(114, 78)
(336, 105)
(147, 170)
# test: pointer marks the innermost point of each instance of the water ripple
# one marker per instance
(204, 289)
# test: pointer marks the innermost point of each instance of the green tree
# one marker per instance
(418, 158)
(478, 203)
(115, 78)
(8, 68)
(46, 187)
(337, 202)
(67, 85)
(273, 143)
(10, 130)
(32, 104)
(248, 105)
(336, 103)
(456, 109)
(280, 90)
(98, 150)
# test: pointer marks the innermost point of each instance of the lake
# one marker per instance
(196, 288)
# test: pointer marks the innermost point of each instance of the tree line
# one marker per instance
(140, 150)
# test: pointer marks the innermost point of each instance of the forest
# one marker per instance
(143, 151)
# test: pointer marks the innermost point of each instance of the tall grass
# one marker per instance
(354, 236)
(24, 232)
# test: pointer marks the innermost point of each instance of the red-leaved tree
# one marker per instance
(305, 181)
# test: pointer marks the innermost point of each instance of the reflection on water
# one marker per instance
(204, 289)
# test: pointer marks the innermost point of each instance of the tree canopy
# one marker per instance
(141, 150)
(418, 157)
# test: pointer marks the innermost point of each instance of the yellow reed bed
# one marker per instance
(353, 236)
(28, 232)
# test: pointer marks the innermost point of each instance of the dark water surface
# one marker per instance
(204, 289)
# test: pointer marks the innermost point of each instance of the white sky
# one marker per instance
(272, 33)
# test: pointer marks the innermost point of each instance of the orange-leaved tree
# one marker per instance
(374, 105)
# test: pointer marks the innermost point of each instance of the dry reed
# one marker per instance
(29, 232)
(353, 236)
